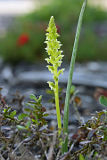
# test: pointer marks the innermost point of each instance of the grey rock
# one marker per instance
(4, 91)
(93, 66)
(92, 74)
(7, 74)
(34, 76)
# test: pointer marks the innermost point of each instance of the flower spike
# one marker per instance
(54, 61)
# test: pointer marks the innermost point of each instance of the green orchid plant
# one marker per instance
(54, 60)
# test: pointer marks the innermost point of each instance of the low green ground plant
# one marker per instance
(90, 139)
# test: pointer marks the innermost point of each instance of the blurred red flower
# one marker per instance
(23, 39)
(58, 28)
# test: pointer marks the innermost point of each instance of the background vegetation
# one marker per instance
(25, 40)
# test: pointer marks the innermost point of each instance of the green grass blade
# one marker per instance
(66, 108)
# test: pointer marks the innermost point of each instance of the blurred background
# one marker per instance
(23, 24)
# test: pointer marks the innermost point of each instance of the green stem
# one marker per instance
(67, 99)
(56, 91)
(57, 106)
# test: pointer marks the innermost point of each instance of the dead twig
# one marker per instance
(51, 150)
